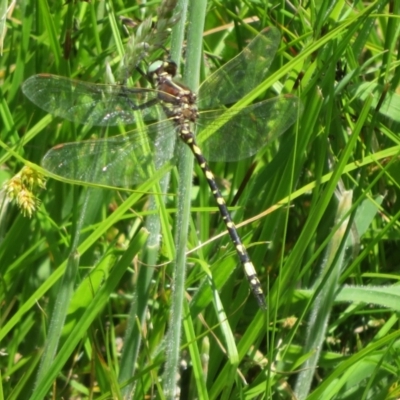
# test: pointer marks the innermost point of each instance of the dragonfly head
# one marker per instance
(162, 67)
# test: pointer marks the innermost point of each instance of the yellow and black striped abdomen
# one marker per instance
(248, 266)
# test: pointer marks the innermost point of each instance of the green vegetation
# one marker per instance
(93, 303)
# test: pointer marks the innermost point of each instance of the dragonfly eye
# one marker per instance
(170, 67)
(155, 67)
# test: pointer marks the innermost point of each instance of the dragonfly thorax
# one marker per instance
(163, 73)
(178, 101)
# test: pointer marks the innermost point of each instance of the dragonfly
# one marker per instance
(208, 123)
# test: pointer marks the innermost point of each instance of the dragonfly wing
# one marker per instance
(242, 74)
(88, 103)
(119, 161)
(234, 134)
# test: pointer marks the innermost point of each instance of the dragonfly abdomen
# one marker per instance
(179, 104)
(244, 257)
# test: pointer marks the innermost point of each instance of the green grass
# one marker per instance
(93, 304)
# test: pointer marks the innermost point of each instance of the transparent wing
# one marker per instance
(125, 160)
(88, 103)
(242, 74)
(232, 134)
(119, 161)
